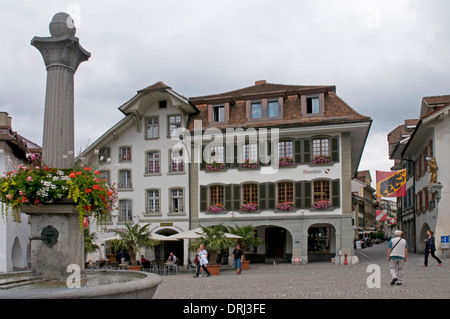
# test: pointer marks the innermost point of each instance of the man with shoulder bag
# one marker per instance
(397, 254)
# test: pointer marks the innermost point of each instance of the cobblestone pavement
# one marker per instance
(315, 280)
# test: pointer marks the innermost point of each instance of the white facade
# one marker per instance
(14, 228)
(431, 140)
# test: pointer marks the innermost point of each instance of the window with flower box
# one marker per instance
(250, 193)
(250, 155)
(285, 195)
(286, 153)
(216, 193)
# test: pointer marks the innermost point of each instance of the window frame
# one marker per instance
(147, 119)
(155, 160)
(283, 190)
(156, 201)
(217, 191)
(129, 211)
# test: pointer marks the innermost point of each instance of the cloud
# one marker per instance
(383, 56)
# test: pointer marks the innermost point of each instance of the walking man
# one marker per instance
(397, 254)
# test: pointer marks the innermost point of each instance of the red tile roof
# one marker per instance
(336, 110)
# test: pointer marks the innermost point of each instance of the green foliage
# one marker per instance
(133, 238)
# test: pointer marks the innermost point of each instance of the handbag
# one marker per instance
(196, 259)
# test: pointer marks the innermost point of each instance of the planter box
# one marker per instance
(245, 265)
(214, 269)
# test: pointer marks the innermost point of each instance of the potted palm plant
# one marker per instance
(133, 238)
(89, 242)
(247, 232)
(214, 239)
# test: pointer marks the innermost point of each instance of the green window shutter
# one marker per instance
(228, 197)
(306, 151)
(336, 194)
(307, 198)
(229, 155)
(298, 151)
(335, 149)
(202, 160)
(271, 196)
(298, 195)
(262, 196)
(203, 198)
(236, 197)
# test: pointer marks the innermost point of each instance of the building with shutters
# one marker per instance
(280, 158)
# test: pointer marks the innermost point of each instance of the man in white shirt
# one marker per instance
(397, 254)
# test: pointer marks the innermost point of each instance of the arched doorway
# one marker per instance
(276, 247)
(321, 242)
(163, 250)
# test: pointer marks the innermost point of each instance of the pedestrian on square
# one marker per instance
(397, 254)
(238, 256)
(202, 261)
(430, 248)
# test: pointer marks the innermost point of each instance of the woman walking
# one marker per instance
(430, 247)
(202, 261)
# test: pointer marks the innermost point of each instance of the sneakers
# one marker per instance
(394, 281)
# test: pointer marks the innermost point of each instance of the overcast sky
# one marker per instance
(383, 56)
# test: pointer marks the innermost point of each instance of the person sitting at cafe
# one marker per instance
(172, 258)
(143, 259)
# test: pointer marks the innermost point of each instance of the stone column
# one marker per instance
(62, 54)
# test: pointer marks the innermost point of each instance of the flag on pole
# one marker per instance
(391, 184)
(381, 215)
(392, 221)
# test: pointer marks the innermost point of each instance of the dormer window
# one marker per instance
(256, 110)
(264, 109)
(272, 108)
(218, 113)
(312, 105)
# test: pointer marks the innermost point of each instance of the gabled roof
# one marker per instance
(263, 88)
(160, 89)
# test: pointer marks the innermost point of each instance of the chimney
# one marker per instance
(260, 82)
(5, 120)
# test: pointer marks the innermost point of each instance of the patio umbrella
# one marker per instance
(154, 236)
(163, 238)
(198, 233)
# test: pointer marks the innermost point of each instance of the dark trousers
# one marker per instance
(205, 269)
(432, 255)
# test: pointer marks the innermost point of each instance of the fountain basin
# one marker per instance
(99, 284)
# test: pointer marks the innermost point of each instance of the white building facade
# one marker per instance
(14, 227)
(280, 158)
(141, 155)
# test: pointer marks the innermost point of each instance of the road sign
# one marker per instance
(445, 242)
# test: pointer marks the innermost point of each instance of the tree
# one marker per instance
(213, 239)
(89, 242)
(133, 238)
(247, 232)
